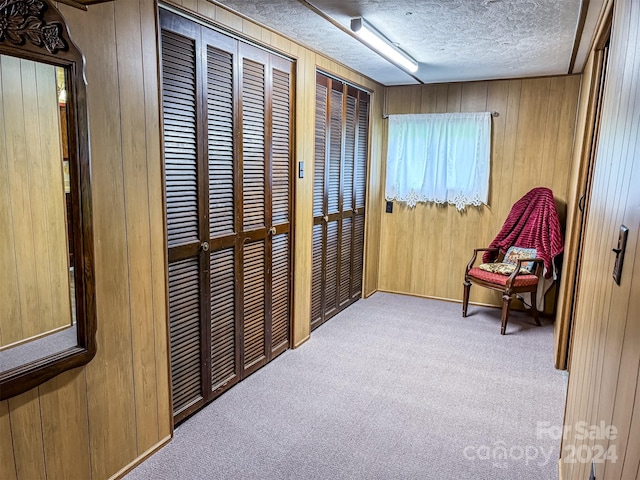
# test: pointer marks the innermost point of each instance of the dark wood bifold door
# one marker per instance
(340, 177)
(227, 153)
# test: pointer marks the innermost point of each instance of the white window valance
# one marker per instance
(441, 158)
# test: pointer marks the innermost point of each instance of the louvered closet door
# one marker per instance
(266, 87)
(281, 182)
(220, 91)
(227, 133)
(332, 217)
(341, 134)
(319, 234)
(361, 148)
(184, 186)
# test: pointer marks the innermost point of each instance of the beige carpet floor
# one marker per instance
(394, 387)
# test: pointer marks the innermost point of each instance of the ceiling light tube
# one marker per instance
(378, 42)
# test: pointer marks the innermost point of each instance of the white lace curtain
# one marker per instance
(441, 158)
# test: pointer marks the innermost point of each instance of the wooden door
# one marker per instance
(227, 134)
(341, 138)
(184, 192)
(266, 179)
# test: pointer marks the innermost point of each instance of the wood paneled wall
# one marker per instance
(604, 365)
(90, 422)
(94, 422)
(425, 249)
(34, 259)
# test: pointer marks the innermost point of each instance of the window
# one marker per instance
(441, 158)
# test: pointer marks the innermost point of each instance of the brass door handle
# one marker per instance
(204, 246)
(326, 218)
(272, 231)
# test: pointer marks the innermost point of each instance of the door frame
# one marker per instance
(584, 161)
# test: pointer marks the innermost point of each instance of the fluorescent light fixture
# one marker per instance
(372, 37)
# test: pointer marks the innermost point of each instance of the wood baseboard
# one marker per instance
(368, 294)
(431, 297)
(560, 470)
(304, 340)
(35, 337)
(127, 468)
(478, 304)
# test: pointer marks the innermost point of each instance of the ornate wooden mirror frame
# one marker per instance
(35, 30)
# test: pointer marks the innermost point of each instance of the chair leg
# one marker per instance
(506, 300)
(465, 297)
(534, 310)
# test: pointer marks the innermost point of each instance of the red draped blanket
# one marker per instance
(532, 223)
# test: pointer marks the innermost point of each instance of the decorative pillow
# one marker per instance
(516, 253)
(502, 268)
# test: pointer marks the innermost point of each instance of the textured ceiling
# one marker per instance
(453, 40)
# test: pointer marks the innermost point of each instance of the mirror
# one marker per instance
(47, 318)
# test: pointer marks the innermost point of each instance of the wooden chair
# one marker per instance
(511, 285)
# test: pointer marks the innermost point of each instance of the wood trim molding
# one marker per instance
(584, 141)
(301, 342)
(368, 294)
(455, 300)
(35, 337)
(141, 458)
(432, 297)
(560, 470)
(584, 8)
(603, 29)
